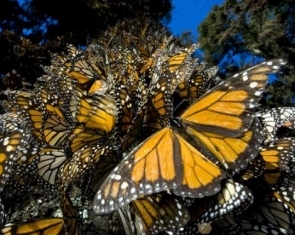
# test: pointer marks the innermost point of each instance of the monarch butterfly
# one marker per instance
(81, 163)
(176, 61)
(44, 226)
(145, 122)
(250, 226)
(76, 65)
(9, 145)
(48, 162)
(277, 157)
(267, 215)
(267, 212)
(233, 199)
(8, 106)
(279, 154)
(55, 130)
(28, 107)
(170, 73)
(129, 65)
(274, 118)
(23, 178)
(223, 133)
(140, 96)
(10, 122)
(37, 167)
(97, 112)
(139, 115)
(193, 87)
(255, 169)
(82, 136)
(55, 126)
(124, 108)
(135, 131)
(180, 66)
(154, 214)
(270, 210)
(107, 162)
(70, 217)
(286, 196)
(154, 58)
(183, 74)
(167, 161)
(73, 52)
(197, 84)
(204, 175)
(144, 51)
(57, 84)
(190, 88)
(160, 89)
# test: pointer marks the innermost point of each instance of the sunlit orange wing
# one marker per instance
(222, 119)
(165, 161)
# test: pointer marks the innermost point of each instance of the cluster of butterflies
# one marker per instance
(137, 123)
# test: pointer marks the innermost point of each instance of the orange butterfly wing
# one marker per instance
(39, 226)
(164, 161)
(222, 119)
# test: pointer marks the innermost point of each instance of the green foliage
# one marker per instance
(241, 33)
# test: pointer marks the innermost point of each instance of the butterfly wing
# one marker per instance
(162, 212)
(48, 162)
(287, 197)
(222, 119)
(27, 106)
(9, 146)
(279, 154)
(273, 119)
(96, 112)
(82, 136)
(44, 226)
(164, 161)
(72, 224)
(233, 199)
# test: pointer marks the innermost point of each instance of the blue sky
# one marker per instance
(188, 14)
